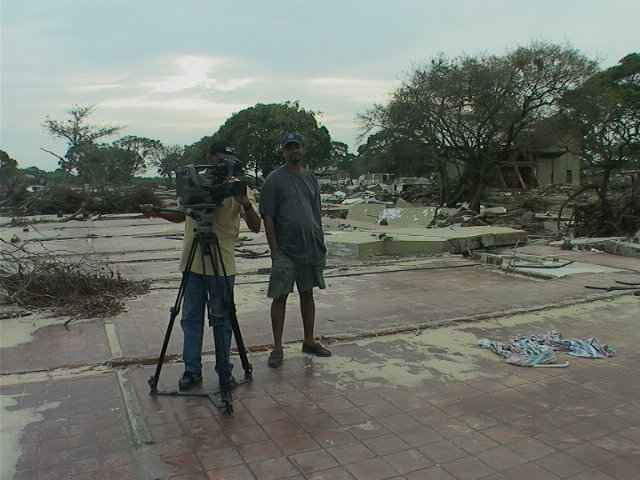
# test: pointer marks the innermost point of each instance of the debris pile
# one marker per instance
(85, 288)
(548, 212)
(73, 202)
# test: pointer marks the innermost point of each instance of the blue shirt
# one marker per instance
(293, 200)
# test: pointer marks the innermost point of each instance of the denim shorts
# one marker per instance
(285, 273)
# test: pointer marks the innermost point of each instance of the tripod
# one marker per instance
(209, 248)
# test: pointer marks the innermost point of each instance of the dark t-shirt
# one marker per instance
(293, 200)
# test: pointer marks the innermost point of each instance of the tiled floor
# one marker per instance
(398, 399)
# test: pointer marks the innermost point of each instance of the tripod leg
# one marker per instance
(230, 308)
(215, 303)
(175, 310)
(242, 351)
(217, 321)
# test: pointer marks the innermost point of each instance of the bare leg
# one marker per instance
(278, 309)
(308, 312)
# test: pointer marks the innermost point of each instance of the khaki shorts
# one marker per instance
(285, 273)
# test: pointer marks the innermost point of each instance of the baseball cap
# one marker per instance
(291, 137)
(224, 149)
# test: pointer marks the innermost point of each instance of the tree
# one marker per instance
(341, 159)
(256, 132)
(97, 165)
(372, 155)
(138, 152)
(605, 111)
(104, 164)
(170, 160)
(471, 113)
(8, 167)
(80, 135)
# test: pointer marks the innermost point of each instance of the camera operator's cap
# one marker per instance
(291, 137)
(223, 149)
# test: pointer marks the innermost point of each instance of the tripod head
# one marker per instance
(203, 215)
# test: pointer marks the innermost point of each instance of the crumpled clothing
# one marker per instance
(539, 349)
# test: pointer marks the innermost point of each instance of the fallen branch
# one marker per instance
(82, 289)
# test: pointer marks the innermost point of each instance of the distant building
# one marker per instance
(375, 178)
(557, 167)
(401, 183)
(333, 177)
(539, 168)
(551, 165)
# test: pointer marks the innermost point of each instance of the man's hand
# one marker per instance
(243, 200)
(147, 210)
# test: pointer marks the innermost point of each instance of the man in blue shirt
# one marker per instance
(290, 208)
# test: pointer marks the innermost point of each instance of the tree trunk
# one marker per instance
(605, 208)
(477, 183)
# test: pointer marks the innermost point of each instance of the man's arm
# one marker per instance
(149, 212)
(251, 217)
(270, 232)
(318, 204)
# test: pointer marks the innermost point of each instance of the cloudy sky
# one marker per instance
(174, 70)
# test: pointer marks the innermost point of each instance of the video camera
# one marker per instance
(202, 185)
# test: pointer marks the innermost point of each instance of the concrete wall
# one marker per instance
(554, 171)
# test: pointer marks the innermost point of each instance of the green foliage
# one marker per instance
(138, 153)
(605, 113)
(341, 159)
(373, 155)
(59, 177)
(387, 154)
(116, 164)
(171, 159)
(256, 134)
(80, 136)
(195, 153)
(104, 165)
(8, 168)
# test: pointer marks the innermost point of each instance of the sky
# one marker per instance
(175, 71)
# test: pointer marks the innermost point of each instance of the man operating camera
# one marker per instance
(203, 279)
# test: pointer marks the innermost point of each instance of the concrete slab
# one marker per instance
(354, 244)
(402, 203)
(408, 217)
(619, 247)
(407, 244)
(367, 212)
(539, 266)
(420, 241)
(550, 269)
(597, 242)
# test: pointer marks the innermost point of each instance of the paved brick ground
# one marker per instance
(417, 404)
